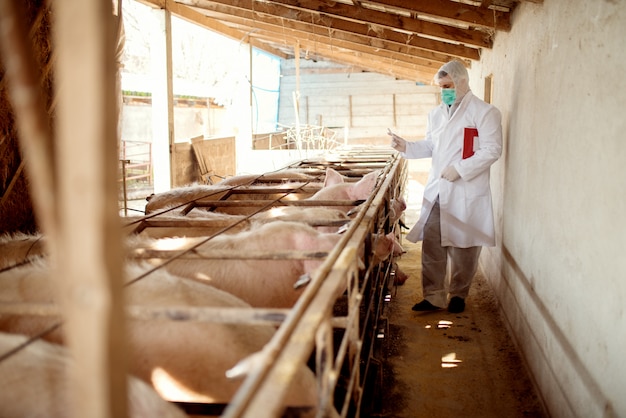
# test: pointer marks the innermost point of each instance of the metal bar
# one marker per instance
(257, 203)
(216, 254)
(261, 394)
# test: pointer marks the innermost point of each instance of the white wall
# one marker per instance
(356, 105)
(560, 198)
(188, 122)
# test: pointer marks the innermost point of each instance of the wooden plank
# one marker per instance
(219, 154)
(475, 15)
(389, 19)
(205, 170)
(88, 270)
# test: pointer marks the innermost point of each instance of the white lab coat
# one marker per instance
(466, 210)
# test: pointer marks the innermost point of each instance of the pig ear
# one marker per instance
(332, 177)
(364, 187)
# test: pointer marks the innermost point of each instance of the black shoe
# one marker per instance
(457, 305)
(425, 306)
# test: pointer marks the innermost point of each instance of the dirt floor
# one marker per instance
(442, 365)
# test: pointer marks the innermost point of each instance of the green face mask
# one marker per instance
(448, 96)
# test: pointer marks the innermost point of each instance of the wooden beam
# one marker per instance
(280, 33)
(393, 20)
(87, 260)
(454, 11)
(318, 50)
(375, 63)
(314, 23)
(311, 40)
(328, 50)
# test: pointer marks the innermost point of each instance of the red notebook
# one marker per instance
(468, 141)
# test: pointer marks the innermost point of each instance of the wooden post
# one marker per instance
(162, 100)
(395, 114)
(296, 94)
(88, 254)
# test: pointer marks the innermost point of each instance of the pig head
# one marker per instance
(335, 188)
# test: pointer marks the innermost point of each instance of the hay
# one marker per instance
(16, 208)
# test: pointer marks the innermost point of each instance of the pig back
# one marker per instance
(34, 383)
(266, 281)
(183, 360)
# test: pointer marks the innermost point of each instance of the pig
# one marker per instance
(321, 218)
(335, 188)
(181, 196)
(193, 224)
(19, 248)
(265, 283)
(284, 176)
(184, 361)
(400, 277)
(396, 209)
(308, 214)
(34, 383)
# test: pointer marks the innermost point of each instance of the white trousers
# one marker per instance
(463, 264)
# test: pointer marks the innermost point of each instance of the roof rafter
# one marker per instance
(419, 35)
(364, 15)
(446, 9)
(313, 22)
(372, 60)
(279, 29)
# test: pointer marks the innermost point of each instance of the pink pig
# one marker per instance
(260, 282)
(183, 360)
(35, 383)
(335, 188)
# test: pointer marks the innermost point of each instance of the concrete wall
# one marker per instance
(560, 198)
(358, 106)
(188, 122)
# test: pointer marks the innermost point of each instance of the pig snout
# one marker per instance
(400, 277)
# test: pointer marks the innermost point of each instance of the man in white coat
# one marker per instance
(464, 138)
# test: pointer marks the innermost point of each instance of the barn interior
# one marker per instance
(348, 71)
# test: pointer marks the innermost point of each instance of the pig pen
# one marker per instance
(339, 338)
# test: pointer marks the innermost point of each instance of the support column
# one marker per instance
(162, 100)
